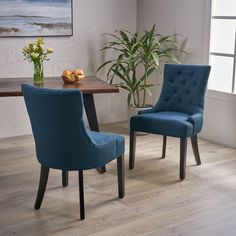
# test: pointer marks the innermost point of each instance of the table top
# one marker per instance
(11, 87)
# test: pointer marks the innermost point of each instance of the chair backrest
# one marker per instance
(184, 88)
(57, 123)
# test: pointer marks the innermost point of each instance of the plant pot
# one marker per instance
(133, 111)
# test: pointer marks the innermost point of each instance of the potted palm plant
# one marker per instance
(137, 57)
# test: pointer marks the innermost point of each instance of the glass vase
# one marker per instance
(38, 73)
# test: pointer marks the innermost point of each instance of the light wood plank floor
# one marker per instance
(156, 202)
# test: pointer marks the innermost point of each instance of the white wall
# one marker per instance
(184, 17)
(220, 118)
(91, 19)
(191, 18)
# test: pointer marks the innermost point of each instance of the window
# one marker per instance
(223, 46)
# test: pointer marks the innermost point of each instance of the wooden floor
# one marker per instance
(156, 202)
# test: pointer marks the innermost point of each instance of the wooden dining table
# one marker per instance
(90, 85)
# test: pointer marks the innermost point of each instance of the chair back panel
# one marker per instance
(57, 123)
(184, 88)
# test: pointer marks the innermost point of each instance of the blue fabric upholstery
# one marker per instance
(169, 123)
(61, 140)
(101, 139)
(179, 111)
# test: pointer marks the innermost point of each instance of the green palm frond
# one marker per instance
(135, 53)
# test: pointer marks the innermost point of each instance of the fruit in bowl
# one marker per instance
(68, 77)
(79, 74)
(71, 77)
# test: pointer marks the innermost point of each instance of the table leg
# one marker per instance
(92, 118)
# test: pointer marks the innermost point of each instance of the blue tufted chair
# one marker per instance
(63, 143)
(177, 113)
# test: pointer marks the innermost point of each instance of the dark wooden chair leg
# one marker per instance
(81, 195)
(102, 170)
(195, 149)
(121, 176)
(64, 178)
(132, 146)
(42, 186)
(183, 152)
(164, 146)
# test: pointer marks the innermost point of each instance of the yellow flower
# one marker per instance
(36, 52)
(26, 50)
(34, 55)
(34, 47)
(41, 46)
(50, 50)
(40, 41)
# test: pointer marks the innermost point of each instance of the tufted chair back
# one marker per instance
(183, 88)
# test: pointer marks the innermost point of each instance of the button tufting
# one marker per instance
(194, 83)
(183, 82)
(192, 73)
(175, 91)
(187, 92)
(179, 72)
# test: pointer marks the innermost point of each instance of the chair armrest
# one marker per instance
(145, 111)
(197, 121)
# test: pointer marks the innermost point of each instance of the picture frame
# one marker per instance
(36, 18)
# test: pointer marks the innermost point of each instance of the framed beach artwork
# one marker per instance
(34, 18)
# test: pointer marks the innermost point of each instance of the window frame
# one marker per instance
(233, 87)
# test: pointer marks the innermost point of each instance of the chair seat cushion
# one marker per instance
(100, 139)
(168, 123)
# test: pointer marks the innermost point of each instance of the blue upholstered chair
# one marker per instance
(178, 112)
(63, 143)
